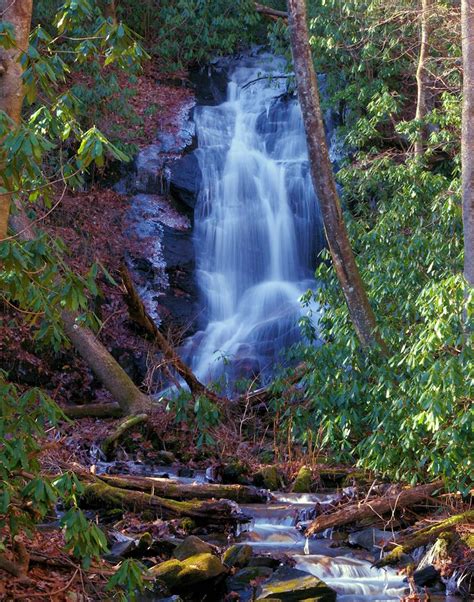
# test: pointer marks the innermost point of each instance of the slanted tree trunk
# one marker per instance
(467, 137)
(11, 87)
(110, 10)
(323, 180)
(373, 508)
(422, 75)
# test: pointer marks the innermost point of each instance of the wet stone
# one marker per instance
(244, 581)
(237, 555)
(270, 478)
(191, 546)
(179, 575)
(288, 585)
(267, 561)
(303, 481)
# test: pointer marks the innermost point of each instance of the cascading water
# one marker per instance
(257, 223)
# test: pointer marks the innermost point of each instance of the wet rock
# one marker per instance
(288, 585)
(191, 546)
(237, 555)
(179, 575)
(371, 539)
(267, 561)
(428, 576)
(241, 582)
(236, 472)
(185, 471)
(165, 457)
(120, 550)
(304, 480)
(148, 170)
(270, 478)
(210, 83)
(185, 179)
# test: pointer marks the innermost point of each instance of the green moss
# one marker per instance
(187, 525)
(237, 555)
(178, 575)
(304, 480)
(270, 478)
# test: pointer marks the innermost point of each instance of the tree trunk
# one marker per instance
(221, 512)
(425, 536)
(110, 11)
(422, 75)
(168, 488)
(11, 86)
(373, 508)
(467, 137)
(347, 272)
(139, 314)
(106, 368)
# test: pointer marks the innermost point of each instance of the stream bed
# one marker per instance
(275, 533)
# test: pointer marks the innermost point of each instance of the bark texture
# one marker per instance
(467, 139)
(425, 536)
(100, 495)
(340, 248)
(422, 75)
(167, 488)
(106, 368)
(374, 508)
(18, 13)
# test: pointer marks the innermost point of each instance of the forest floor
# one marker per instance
(248, 443)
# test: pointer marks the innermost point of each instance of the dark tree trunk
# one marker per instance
(467, 140)
(323, 179)
(422, 75)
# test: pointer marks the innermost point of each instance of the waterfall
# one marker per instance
(258, 228)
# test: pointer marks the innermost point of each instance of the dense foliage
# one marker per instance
(409, 415)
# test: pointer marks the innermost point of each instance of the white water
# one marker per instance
(273, 531)
(257, 224)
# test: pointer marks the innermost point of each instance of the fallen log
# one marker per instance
(265, 394)
(373, 508)
(98, 494)
(168, 488)
(111, 442)
(139, 314)
(425, 536)
(93, 410)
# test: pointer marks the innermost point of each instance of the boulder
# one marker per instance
(289, 584)
(191, 546)
(241, 582)
(371, 539)
(303, 481)
(237, 555)
(270, 478)
(165, 457)
(179, 575)
(185, 179)
(267, 561)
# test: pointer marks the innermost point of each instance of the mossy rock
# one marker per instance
(237, 555)
(187, 525)
(191, 546)
(267, 561)
(241, 581)
(165, 457)
(235, 473)
(178, 575)
(292, 585)
(270, 478)
(304, 480)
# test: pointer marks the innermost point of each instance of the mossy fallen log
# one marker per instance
(425, 536)
(111, 442)
(98, 494)
(373, 508)
(168, 488)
